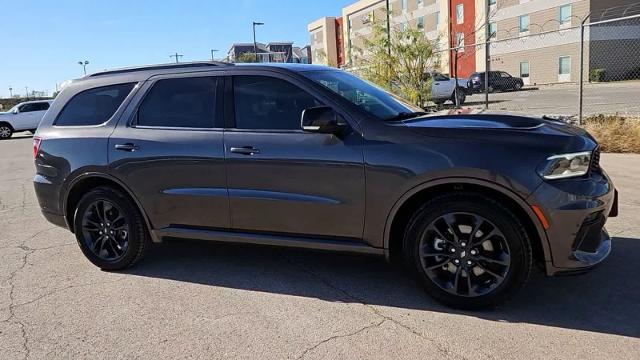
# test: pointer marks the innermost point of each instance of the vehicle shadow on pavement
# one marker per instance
(604, 300)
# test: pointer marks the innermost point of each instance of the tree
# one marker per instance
(247, 58)
(401, 65)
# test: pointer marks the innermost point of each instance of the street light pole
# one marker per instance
(10, 92)
(84, 66)
(255, 43)
(26, 91)
(213, 53)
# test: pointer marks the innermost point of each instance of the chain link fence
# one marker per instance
(578, 68)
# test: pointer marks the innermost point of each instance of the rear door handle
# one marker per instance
(127, 147)
(245, 150)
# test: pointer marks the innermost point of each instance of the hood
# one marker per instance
(503, 128)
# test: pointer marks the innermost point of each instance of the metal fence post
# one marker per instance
(487, 56)
(581, 94)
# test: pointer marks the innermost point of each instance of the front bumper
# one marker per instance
(577, 211)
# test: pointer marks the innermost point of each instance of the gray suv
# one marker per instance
(313, 157)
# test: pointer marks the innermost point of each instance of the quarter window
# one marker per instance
(181, 103)
(94, 106)
(267, 103)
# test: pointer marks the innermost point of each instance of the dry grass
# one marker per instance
(616, 134)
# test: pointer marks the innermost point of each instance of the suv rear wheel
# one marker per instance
(110, 230)
(470, 251)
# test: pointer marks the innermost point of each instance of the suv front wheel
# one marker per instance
(470, 251)
(110, 230)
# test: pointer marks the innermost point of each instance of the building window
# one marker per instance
(493, 30)
(460, 42)
(403, 26)
(524, 23)
(405, 5)
(420, 23)
(460, 13)
(420, 3)
(492, 2)
(565, 65)
(524, 69)
(565, 15)
(437, 16)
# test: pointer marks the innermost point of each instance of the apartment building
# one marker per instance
(283, 52)
(538, 40)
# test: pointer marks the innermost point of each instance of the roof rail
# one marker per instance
(160, 67)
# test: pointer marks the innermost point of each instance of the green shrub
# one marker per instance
(597, 75)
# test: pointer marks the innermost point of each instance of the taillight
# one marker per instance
(36, 146)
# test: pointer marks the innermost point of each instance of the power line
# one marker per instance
(177, 57)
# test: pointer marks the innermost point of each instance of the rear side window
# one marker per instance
(94, 106)
(184, 103)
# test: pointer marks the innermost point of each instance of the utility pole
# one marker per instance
(26, 91)
(10, 91)
(255, 43)
(177, 56)
(84, 66)
(213, 53)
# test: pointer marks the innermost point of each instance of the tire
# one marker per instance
(113, 236)
(6, 131)
(490, 270)
(491, 90)
(462, 97)
(517, 87)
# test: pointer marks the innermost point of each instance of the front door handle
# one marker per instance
(245, 150)
(127, 147)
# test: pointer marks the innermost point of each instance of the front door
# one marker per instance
(281, 179)
(169, 152)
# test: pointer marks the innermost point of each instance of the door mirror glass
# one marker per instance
(323, 120)
(15, 111)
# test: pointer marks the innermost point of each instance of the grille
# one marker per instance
(595, 161)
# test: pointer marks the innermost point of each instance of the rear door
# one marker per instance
(282, 179)
(168, 149)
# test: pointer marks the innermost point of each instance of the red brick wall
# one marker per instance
(466, 62)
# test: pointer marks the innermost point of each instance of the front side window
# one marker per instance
(363, 94)
(94, 106)
(267, 103)
(181, 103)
(460, 13)
(524, 23)
(26, 108)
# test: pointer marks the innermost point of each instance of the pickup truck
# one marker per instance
(443, 89)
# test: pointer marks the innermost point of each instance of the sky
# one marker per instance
(43, 40)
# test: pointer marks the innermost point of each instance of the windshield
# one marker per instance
(364, 94)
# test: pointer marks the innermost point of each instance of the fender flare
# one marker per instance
(542, 234)
(72, 183)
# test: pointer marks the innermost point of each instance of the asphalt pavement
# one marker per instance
(194, 300)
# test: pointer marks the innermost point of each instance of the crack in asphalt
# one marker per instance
(439, 347)
(12, 287)
(335, 337)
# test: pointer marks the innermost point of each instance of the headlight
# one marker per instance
(566, 166)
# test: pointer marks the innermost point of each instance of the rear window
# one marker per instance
(94, 106)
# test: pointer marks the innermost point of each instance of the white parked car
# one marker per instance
(25, 116)
(443, 89)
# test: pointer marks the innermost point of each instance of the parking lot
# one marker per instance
(605, 98)
(200, 300)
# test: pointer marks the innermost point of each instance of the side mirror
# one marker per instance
(323, 120)
(15, 111)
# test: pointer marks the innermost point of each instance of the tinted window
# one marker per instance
(186, 102)
(268, 103)
(95, 106)
(34, 107)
